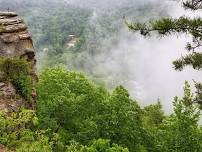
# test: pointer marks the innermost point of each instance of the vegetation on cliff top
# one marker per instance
(17, 71)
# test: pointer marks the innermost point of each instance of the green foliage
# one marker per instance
(198, 96)
(193, 4)
(75, 115)
(73, 147)
(23, 84)
(77, 109)
(13, 66)
(14, 129)
(187, 25)
(18, 132)
(123, 120)
(180, 131)
(153, 115)
(99, 145)
(1, 28)
(194, 60)
(17, 72)
(68, 99)
(42, 145)
(166, 26)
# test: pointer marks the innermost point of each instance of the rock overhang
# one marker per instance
(14, 36)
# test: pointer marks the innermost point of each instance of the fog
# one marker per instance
(142, 65)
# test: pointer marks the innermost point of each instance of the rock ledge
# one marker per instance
(15, 39)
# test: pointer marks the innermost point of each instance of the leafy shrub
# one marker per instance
(35, 146)
(99, 145)
(14, 128)
(17, 72)
(23, 85)
(13, 66)
(18, 132)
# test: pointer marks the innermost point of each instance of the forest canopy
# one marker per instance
(74, 114)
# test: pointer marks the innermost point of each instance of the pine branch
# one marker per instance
(193, 4)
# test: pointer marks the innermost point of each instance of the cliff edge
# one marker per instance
(15, 42)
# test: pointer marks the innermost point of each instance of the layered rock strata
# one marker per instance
(15, 41)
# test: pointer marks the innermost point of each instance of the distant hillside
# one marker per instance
(98, 26)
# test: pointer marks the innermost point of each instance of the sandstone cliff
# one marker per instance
(14, 37)
(15, 41)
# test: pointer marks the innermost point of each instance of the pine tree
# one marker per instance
(187, 25)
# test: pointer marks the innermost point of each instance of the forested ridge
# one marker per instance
(75, 113)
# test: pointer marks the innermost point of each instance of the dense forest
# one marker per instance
(76, 112)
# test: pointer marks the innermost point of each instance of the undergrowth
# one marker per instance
(17, 71)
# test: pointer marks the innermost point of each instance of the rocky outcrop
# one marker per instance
(3, 148)
(15, 41)
(10, 101)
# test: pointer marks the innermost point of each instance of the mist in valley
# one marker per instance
(108, 52)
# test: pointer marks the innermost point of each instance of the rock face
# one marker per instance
(3, 148)
(15, 41)
(10, 101)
